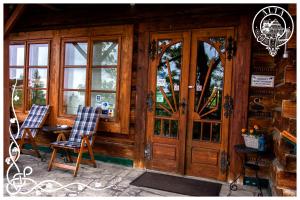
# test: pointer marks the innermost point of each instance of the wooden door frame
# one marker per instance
(205, 33)
(185, 36)
(240, 76)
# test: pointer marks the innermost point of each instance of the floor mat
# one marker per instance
(177, 184)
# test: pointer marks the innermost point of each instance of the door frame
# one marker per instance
(183, 138)
(185, 36)
(227, 90)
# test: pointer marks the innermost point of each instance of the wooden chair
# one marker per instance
(81, 139)
(31, 126)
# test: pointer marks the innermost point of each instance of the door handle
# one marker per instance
(183, 105)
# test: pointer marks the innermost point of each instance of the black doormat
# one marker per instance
(176, 184)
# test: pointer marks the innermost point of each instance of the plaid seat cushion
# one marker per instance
(34, 119)
(85, 123)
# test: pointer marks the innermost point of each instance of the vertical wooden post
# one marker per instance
(241, 76)
(141, 95)
(6, 102)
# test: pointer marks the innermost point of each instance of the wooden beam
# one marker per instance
(13, 19)
(241, 79)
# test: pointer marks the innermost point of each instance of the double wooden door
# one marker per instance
(189, 83)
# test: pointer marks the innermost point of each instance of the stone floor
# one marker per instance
(105, 180)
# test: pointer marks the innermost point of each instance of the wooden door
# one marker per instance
(208, 121)
(167, 100)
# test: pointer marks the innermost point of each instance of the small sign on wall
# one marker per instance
(161, 82)
(98, 98)
(262, 81)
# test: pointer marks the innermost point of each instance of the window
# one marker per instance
(94, 84)
(30, 72)
(16, 73)
(74, 86)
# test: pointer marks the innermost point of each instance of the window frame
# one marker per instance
(26, 67)
(89, 70)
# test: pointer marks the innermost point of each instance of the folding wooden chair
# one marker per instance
(31, 126)
(81, 139)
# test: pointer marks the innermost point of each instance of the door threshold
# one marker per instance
(187, 176)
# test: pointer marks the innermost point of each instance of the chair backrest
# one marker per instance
(85, 123)
(36, 119)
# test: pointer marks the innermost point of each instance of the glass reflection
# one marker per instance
(209, 82)
(105, 53)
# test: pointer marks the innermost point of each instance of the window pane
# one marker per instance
(16, 55)
(37, 78)
(38, 55)
(16, 73)
(105, 53)
(72, 99)
(104, 78)
(74, 78)
(76, 53)
(18, 98)
(37, 97)
(99, 99)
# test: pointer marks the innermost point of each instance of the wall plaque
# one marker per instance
(262, 81)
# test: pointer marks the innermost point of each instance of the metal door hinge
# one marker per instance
(228, 106)
(148, 152)
(152, 50)
(224, 163)
(149, 101)
(230, 48)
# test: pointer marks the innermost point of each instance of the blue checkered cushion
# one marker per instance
(34, 119)
(85, 123)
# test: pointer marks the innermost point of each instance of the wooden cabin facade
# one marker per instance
(143, 61)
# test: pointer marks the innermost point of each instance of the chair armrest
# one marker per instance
(28, 127)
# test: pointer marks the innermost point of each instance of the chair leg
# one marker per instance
(35, 147)
(53, 156)
(68, 156)
(78, 162)
(92, 157)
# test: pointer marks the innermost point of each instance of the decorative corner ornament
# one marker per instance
(228, 106)
(230, 48)
(273, 27)
(152, 49)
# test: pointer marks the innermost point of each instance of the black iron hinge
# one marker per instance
(149, 101)
(230, 48)
(148, 152)
(152, 49)
(224, 164)
(228, 106)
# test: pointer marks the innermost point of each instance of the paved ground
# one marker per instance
(95, 179)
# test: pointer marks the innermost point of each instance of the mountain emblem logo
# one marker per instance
(273, 26)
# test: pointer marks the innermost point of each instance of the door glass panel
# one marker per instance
(216, 132)
(209, 82)
(162, 43)
(197, 130)
(206, 131)
(168, 90)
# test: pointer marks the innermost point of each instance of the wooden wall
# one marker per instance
(131, 146)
